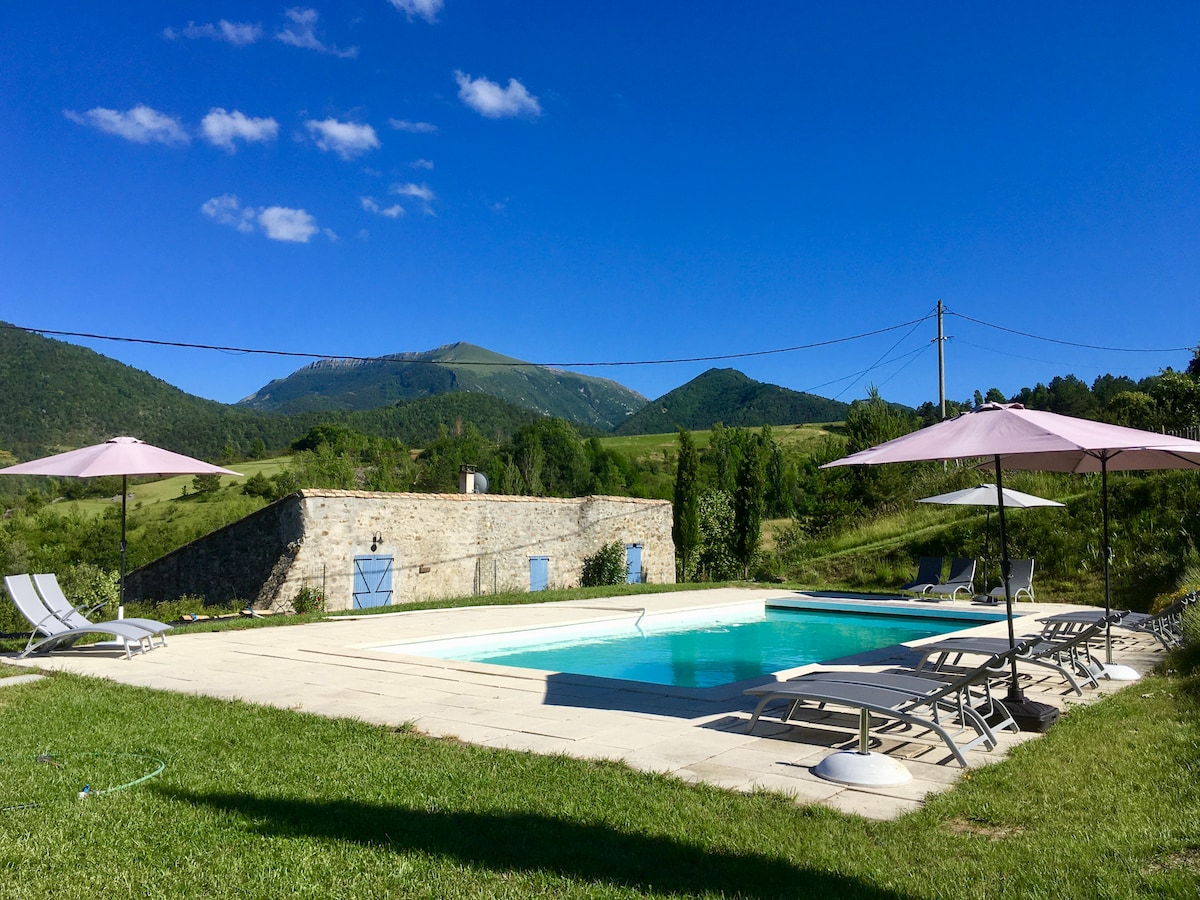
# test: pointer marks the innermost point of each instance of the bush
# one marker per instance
(605, 566)
(308, 600)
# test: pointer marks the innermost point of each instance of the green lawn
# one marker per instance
(656, 446)
(259, 802)
(154, 492)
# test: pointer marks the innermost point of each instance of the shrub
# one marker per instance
(605, 566)
(308, 600)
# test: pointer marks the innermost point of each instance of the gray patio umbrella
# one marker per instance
(122, 456)
(987, 495)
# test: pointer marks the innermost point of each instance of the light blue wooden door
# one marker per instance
(633, 563)
(372, 581)
(539, 573)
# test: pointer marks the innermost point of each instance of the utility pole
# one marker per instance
(941, 342)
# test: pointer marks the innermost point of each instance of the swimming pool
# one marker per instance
(705, 648)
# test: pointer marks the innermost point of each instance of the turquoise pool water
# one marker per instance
(699, 649)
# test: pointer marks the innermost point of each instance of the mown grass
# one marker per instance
(150, 493)
(659, 446)
(260, 802)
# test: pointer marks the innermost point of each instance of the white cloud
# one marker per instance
(237, 33)
(223, 128)
(371, 205)
(284, 224)
(421, 164)
(413, 127)
(494, 102)
(279, 223)
(420, 192)
(228, 210)
(301, 31)
(346, 139)
(142, 125)
(426, 9)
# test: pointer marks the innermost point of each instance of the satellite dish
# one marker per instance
(481, 484)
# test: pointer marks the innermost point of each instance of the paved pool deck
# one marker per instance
(336, 668)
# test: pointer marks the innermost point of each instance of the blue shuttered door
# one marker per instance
(372, 581)
(539, 573)
(633, 563)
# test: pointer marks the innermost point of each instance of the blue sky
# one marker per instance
(572, 182)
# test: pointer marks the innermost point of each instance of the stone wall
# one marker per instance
(442, 545)
(244, 560)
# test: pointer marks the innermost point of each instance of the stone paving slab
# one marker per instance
(338, 668)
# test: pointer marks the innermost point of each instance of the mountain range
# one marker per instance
(56, 395)
(387, 380)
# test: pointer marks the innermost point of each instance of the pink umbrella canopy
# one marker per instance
(122, 456)
(118, 456)
(1046, 441)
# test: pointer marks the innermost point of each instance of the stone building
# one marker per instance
(368, 549)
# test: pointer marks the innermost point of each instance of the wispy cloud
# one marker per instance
(413, 127)
(371, 205)
(237, 33)
(301, 31)
(228, 210)
(421, 164)
(346, 139)
(279, 223)
(494, 102)
(222, 128)
(421, 192)
(426, 9)
(142, 125)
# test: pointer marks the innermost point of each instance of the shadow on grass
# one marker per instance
(529, 842)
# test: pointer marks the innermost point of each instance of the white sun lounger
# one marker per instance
(56, 632)
(71, 616)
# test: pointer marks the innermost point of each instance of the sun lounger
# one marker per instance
(900, 698)
(929, 574)
(1020, 581)
(1070, 656)
(71, 616)
(56, 633)
(962, 578)
(1165, 625)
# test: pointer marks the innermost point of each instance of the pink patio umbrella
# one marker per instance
(122, 456)
(1019, 438)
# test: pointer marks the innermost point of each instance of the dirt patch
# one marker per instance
(1187, 859)
(983, 829)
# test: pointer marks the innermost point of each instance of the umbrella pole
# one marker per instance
(1014, 686)
(121, 597)
(1107, 558)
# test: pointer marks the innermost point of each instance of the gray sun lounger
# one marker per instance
(1165, 625)
(1069, 656)
(903, 701)
(961, 578)
(929, 574)
(1020, 581)
(56, 633)
(71, 616)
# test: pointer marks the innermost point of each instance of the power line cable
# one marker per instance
(1049, 340)
(558, 365)
(885, 354)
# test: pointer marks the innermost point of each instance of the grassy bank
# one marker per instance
(258, 802)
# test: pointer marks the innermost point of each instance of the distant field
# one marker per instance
(642, 446)
(153, 492)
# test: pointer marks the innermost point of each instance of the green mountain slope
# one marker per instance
(729, 397)
(56, 396)
(460, 367)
